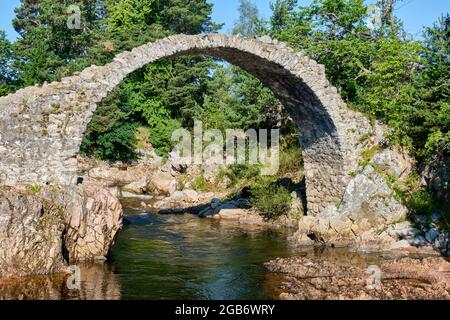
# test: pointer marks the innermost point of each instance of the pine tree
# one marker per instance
(430, 120)
(282, 15)
(160, 96)
(46, 43)
(7, 74)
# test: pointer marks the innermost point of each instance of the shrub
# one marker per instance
(421, 201)
(200, 184)
(238, 173)
(161, 135)
(117, 144)
(272, 201)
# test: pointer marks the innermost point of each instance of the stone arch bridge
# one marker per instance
(41, 128)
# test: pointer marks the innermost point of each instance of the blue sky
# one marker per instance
(414, 13)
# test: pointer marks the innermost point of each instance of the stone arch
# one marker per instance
(41, 128)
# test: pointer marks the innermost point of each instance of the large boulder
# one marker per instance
(38, 227)
(31, 228)
(212, 168)
(93, 219)
(161, 183)
(134, 177)
(187, 196)
(394, 161)
(369, 197)
(136, 187)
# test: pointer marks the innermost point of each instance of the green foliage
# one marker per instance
(35, 188)
(378, 70)
(268, 196)
(421, 201)
(161, 96)
(109, 123)
(200, 184)
(291, 158)
(282, 17)
(240, 173)
(7, 73)
(117, 144)
(46, 45)
(236, 100)
(430, 117)
(161, 134)
(126, 14)
(367, 154)
(272, 201)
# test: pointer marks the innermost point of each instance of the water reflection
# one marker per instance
(98, 282)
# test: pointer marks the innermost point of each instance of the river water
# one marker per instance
(186, 257)
(176, 257)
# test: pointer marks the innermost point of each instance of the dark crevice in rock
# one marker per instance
(64, 250)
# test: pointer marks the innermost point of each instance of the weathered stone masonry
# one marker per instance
(41, 128)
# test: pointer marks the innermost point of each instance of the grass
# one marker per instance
(367, 154)
(35, 188)
(200, 184)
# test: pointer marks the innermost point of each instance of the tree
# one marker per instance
(7, 74)
(160, 96)
(430, 119)
(46, 43)
(373, 70)
(237, 100)
(282, 15)
(249, 24)
(390, 24)
(187, 16)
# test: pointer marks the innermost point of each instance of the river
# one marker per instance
(176, 257)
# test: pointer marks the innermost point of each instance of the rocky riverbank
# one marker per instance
(42, 230)
(330, 279)
(369, 219)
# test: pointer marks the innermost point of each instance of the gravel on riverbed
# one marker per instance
(405, 278)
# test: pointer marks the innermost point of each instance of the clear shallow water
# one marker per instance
(177, 257)
(184, 257)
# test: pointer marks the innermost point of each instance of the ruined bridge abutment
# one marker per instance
(41, 128)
